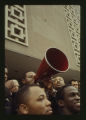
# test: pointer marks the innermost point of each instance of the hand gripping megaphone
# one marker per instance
(55, 61)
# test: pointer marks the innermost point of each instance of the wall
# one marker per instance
(46, 27)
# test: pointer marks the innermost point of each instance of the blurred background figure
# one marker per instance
(28, 78)
(74, 83)
(6, 73)
(13, 87)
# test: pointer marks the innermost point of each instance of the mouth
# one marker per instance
(49, 111)
(58, 85)
(77, 104)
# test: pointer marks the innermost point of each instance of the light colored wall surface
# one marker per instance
(46, 28)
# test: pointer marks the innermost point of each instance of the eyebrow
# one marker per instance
(74, 92)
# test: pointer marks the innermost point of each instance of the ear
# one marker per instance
(23, 109)
(61, 103)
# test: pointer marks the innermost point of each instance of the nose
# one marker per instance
(77, 97)
(48, 103)
(58, 81)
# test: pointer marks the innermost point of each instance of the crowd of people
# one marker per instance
(44, 97)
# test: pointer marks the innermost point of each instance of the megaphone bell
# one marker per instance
(55, 61)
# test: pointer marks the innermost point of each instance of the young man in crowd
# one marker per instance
(32, 100)
(68, 101)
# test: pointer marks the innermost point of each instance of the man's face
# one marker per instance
(58, 82)
(38, 102)
(72, 99)
(75, 84)
(6, 74)
(30, 77)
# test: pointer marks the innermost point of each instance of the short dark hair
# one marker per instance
(60, 92)
(21, 96)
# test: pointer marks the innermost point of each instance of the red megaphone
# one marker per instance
(54, 62)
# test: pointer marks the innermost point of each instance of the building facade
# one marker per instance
(31, 29)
